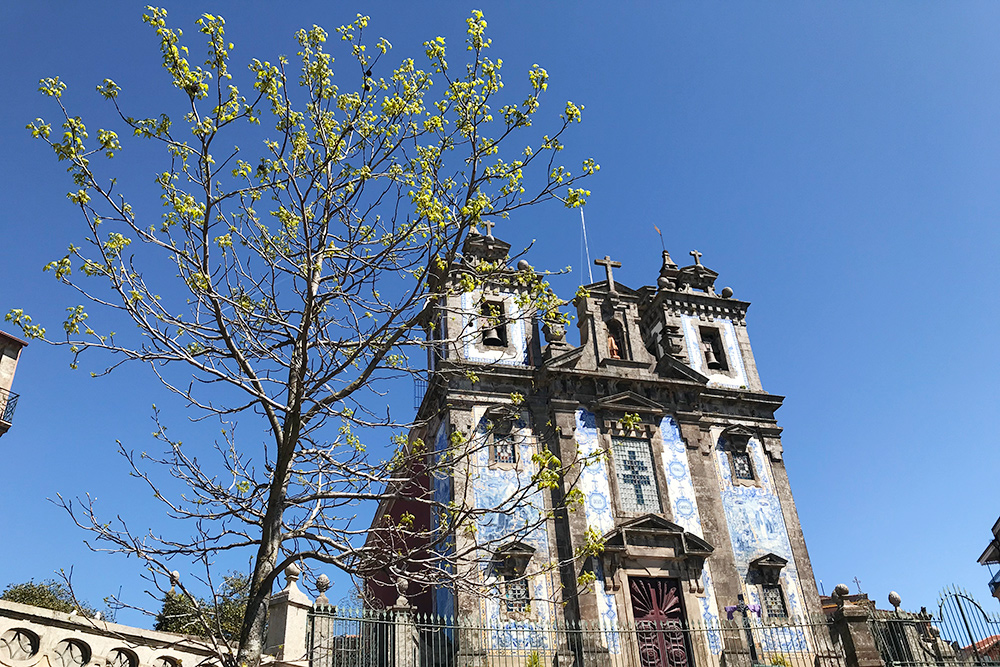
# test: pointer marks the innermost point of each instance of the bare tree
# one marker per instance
(290, 286)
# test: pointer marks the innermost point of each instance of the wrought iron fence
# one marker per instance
(8, 402)
(958, 632)
(385, 639)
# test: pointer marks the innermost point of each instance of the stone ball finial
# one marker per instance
(841, 591)
(292, 572)
(523, 265)
(322, 583)
(894, 599)
(663, 282)
(726, 293)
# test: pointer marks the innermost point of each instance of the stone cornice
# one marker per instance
(697, 304)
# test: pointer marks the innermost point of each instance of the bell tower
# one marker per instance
(489, 324)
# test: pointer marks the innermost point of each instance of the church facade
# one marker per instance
(672, 501)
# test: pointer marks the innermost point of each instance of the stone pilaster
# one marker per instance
(807, 580)
(288, 622)
(712, 513)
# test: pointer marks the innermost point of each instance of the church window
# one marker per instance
(742, 467)
(773, 601)
(494, 324)
(504, 438)
(510, 564)
(504, 449)
(712, 350)
(517, 598)
(637, 490)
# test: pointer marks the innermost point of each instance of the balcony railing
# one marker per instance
(995, 585)
(8, 402)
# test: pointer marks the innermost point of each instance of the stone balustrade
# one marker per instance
(32, 636)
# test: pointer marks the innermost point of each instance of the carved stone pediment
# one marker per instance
(628, 401)
(512, 558)
(769, 567)
(601, 288)
(769, 560)
(738, 437)
(654, 536)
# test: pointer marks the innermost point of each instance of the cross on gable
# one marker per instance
(697, 257)
(488, 224)
(608, 263)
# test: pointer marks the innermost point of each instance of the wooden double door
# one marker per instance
(661, 628)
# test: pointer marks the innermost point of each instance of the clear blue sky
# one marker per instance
(837, 163)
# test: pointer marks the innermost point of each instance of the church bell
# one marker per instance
(711, 361)
(492, 338)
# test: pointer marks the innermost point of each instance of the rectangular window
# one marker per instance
(504, 449)
(517, 595)
(637, 490)
(773, 601)
(742, 468)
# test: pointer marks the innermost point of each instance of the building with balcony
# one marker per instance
(10, 351)
(991, 558)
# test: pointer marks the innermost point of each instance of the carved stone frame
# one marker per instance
(613, 423)
(651, 546)
(737, 439)
(505, 414)
(515, 559)
(766, 571)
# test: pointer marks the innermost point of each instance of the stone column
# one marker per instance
(850, 625)
(288, 622)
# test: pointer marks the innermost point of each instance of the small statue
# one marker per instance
(613, 347)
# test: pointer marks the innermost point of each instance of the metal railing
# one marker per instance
(8, 402)
(388, 639)
(994, 584)
(419, 389)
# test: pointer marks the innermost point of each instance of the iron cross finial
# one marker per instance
(697, 257)
(608, 263)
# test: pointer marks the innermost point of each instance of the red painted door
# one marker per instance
(658, 612)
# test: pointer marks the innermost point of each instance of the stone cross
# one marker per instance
(608, 263)
(697, 257)
(488, 224)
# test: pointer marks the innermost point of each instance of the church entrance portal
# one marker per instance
(658, 611)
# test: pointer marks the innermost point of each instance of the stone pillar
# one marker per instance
(406, 640)
(288, 622)
(850, 625)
